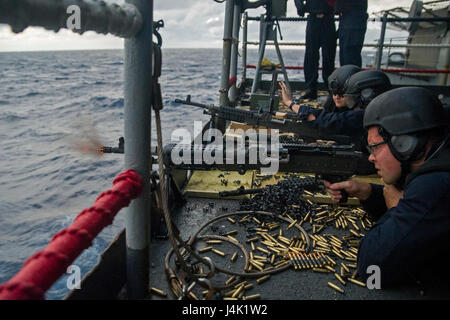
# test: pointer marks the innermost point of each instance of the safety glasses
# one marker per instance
(372, 147)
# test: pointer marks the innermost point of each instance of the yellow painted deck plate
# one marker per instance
(207, 184)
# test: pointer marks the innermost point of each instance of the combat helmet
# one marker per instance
(365, 85)
(337, 79)
(405, 117)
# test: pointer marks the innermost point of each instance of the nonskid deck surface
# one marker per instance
(286, 285)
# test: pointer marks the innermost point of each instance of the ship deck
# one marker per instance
(287, 285)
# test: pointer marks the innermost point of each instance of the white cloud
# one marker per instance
(188, 23)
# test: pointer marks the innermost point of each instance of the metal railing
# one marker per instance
(380, 45)
(120, 20)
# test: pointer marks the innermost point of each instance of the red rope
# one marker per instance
(251, 66)
(45, 267)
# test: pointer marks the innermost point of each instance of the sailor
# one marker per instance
(352, 30)
(336, 81)
(409, 146)
(320, 33)
(359, 89)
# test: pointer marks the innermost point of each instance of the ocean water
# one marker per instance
(54, 105)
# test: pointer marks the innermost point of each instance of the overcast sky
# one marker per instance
(188, 24)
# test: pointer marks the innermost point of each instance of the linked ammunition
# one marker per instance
(205, 249)
(331, 260)
(292, 261)
(262, 279)
(330, 268)
(335, 287)
(233, 257)
(359, 283)
(158, 292)
(220, 253)
(252, 297)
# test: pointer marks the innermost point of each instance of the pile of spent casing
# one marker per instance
(334, 252)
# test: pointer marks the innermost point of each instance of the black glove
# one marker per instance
(301, 7)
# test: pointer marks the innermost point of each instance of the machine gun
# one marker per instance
(333, 163)
(266, 119)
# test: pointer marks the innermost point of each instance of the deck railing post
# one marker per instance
(244, 47)
(381, 42)
(235, 49)
(226, 55)
(138, 84)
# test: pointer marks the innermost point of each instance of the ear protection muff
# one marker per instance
(367, 95)
(405, 147)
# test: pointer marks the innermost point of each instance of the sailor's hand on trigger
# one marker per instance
(391, 195)
(286, 96)
(354, 188)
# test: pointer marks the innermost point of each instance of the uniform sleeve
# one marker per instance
(346, 123)
(375, 205)
(411, 233)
